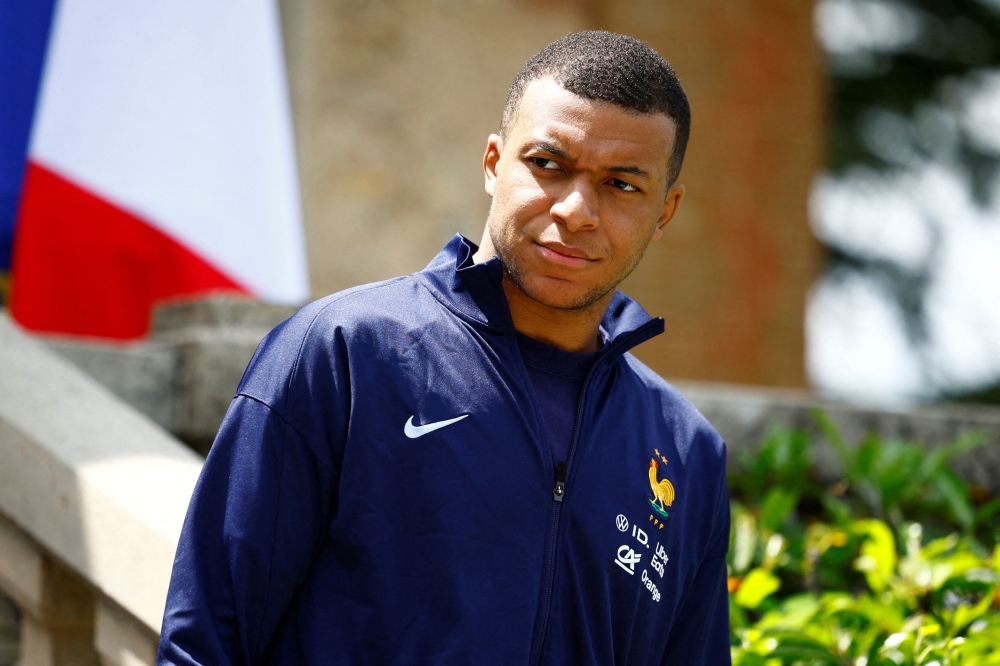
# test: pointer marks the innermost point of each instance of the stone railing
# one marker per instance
(92, 497)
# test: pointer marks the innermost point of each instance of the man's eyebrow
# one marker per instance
(634, 170)
(549, 148)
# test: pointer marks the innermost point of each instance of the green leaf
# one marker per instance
(743, 657)
(793, 614)
(778, 503)
(837, 509)
(805, 654)
(987, 511)
(969, 602)
(744, 540)
(756, 586)
(832, 434)
(966, 442)
(878, 553)
(956, 494)
(864, 458)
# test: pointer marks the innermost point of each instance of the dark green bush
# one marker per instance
(892, 560)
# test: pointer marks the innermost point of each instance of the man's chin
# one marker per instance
(564, 299)
(553, 292)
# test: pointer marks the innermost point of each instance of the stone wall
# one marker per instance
(394, 99)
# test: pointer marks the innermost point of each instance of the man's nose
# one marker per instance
(576, 210)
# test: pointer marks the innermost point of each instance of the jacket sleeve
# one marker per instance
(700, 635)
(257, 519)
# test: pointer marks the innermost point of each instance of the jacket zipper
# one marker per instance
(560, 489)
(558, 495)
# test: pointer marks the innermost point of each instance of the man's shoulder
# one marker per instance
(366, 304)
(369, 307)
(321, 333)
(679, 414)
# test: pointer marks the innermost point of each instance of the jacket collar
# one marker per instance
(475, 292)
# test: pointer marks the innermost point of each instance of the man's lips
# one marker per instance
(564, 255)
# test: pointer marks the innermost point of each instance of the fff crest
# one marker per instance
(663, 489)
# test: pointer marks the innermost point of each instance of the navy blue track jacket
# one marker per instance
(381, 492)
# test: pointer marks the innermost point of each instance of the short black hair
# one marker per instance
(606, 66)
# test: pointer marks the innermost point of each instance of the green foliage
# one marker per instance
(953, 41)
(895, 478)
(898, 102)
(891, 562)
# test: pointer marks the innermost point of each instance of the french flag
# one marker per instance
(160, 163)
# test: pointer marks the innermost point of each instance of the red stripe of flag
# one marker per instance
(84, 266)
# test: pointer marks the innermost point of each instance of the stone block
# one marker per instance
(219, 312)
(142, 374)
(21, 568)
(213, 341)
(393, 103)
(61, 632)
(210, 364)
(10, 632)
(54, 621)
(120, 640)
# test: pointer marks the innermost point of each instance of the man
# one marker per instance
(464, 465)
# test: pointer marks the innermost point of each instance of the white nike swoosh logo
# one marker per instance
(414, 431)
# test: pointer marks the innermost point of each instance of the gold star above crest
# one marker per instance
(663, 458)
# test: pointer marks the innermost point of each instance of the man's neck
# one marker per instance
(569, 330)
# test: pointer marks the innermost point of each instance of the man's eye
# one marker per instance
(623, 186)
(545, 163)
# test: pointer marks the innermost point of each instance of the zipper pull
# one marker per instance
(560, 489)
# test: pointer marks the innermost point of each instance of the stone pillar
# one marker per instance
(57, 607)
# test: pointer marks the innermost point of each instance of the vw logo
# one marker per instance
(622, 523)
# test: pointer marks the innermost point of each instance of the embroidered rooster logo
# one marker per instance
(663, 490)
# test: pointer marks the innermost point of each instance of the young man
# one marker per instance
(465, 465)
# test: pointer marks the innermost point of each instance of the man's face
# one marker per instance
(579, 190)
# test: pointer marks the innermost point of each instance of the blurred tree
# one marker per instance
(903, 73)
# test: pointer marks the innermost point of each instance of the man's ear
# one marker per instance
(494, 146)
(670, 205)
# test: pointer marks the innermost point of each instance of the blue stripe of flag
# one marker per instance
(24, 35)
